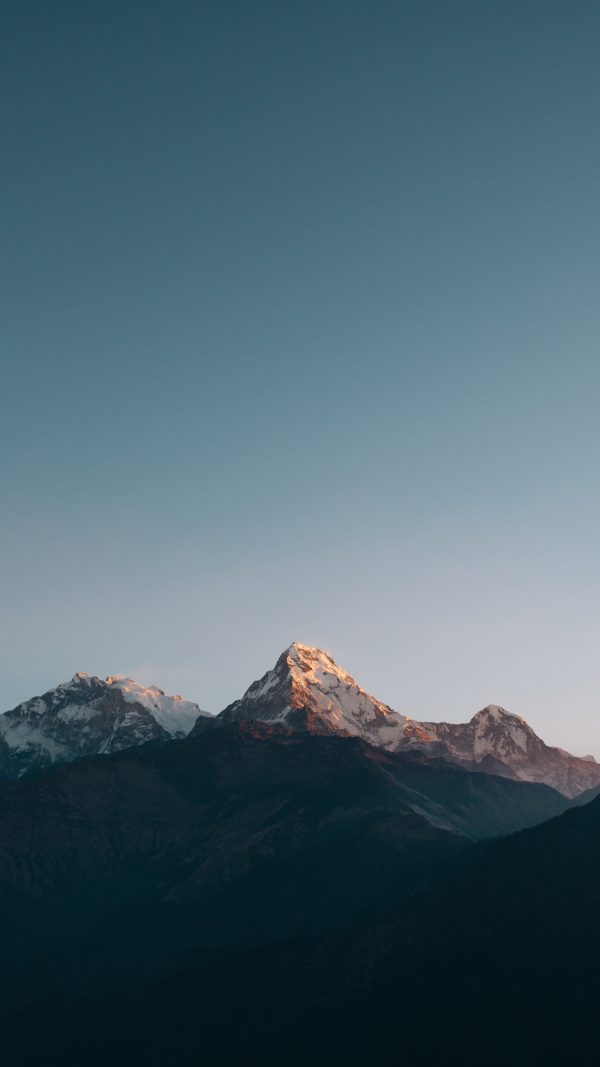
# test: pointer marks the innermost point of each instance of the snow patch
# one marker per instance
(176, 715)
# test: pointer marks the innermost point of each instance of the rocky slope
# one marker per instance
(502, 743)
(307, 690)
(89, 716)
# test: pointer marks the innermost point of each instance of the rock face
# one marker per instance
(502, 743)
(306, 690)
(89, 716)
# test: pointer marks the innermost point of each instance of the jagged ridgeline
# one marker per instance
(305, 691)
(307, 877)
(89, 716)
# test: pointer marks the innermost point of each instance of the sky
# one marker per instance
(299, 337)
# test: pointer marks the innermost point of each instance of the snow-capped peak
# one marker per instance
(304, 655)
(316, 666)
(173, 713)
(89, 716)
(497, 713)
(307, 687)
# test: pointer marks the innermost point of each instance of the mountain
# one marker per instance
(340, 885)
(237, 874)
(252, 788)
(183, 821)
(502, 743)
(504, 944)
(89, 716)
(306, 690)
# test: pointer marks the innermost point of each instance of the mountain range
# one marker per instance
(308, 877)
(306, 691)
(89, 716)
(258, 894)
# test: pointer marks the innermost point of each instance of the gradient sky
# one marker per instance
(300, 340)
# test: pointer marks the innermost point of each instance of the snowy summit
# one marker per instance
(89, 716)
(307, 688)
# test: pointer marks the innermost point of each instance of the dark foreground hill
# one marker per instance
(498, 960)
(251, 895)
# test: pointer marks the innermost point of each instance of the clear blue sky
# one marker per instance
(300, 340)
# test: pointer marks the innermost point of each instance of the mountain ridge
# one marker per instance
(306, 687)
(88, 716)
(306, 691)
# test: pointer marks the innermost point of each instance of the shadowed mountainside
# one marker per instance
(182, 878)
